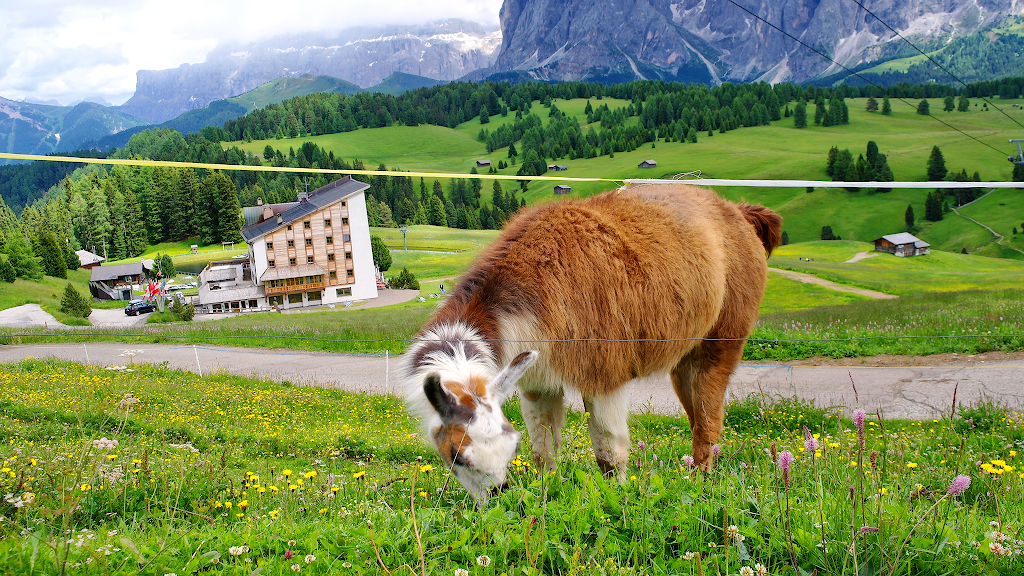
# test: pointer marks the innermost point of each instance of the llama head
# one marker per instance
(474, 438)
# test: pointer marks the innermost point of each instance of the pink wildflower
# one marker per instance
(858, 420)
(810, 442)
(688, 460)
(959, 485)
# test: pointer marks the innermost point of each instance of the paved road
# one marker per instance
(900, 391)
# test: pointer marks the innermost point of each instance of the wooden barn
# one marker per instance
(562, 189)
(483, 163)
(647, 164)
(902, 244)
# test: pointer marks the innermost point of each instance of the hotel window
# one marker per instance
(309, 259)
(344, 220)
(334, 275)
(348, 255)
(330, 239)
(275, 300)
(305, 224)
(289, 227)
(342, 204)
(330, 257)
(291, 243)
(344, 292)
(349, 272)
(327, 222)
(270, 245)
(270, 263)
(313, 296)
(309, 241)
(291, 261)
(295, 298)
(346, 237)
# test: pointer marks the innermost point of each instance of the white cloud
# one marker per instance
(68, 50)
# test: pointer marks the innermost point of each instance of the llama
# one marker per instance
(591, 294)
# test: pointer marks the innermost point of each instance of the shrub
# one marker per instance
(405, 279)
(7, 272)
(74, 304)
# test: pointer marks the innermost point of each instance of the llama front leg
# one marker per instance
(609, 430)
(544, 414)
(700, 382)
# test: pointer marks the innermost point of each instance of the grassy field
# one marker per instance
(224, 475)
(778, 151)
(46, 292)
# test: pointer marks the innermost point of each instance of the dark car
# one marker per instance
(136, 307)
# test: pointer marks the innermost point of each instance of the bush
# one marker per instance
(381, 254)
(7, 272)
(405, 279)
(74, 304)
(182, 311)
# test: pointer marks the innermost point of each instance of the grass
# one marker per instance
(47, 292)
(935, 272)
(778, 151)
(226, 475)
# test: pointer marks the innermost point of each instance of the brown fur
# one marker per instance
(644, 274)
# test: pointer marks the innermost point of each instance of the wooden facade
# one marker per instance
(322, 238)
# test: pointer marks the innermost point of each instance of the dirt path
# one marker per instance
(999, 237)
(812, 279)
(860, 256)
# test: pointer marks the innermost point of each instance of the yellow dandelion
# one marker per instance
(911, 464)
(426, 468)
(359, 474)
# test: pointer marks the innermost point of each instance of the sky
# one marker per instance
(69, 51)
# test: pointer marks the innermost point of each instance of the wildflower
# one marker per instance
(484, 560)
(760, 570)
(286, 472)
(632, 478)
(349, 565)
(291, 542)
(104, 444)
(688, 460)
(288, 554)
(310, 474)
(959, 485)
(235, 550)
(641, 445)
(733, 533)
(911, 464)
(461, 572)
(810, 443)
(310, 558)
(858, 421)
(426, 468)
(785, 460)
(296, 567)
(84, 487)
(716, 450)
(359, 474)
(746, 571)
(998, 549)
(690, 555)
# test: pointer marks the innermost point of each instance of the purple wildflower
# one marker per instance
(288, 554)
(858, 420)
(641, 445)
(716, 450)
(785, 459)
(959, 485)
(688, 460)
(810, 442)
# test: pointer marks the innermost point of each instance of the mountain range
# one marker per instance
(707, 41)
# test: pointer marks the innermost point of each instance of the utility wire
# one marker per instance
(882, 88)
(933, 61)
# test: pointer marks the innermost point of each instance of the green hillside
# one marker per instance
(778, 151)
(43, 129)
(290, 86)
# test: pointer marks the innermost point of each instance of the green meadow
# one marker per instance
(144, 470)
(778, 151)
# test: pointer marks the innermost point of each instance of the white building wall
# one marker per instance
(258, 258)
(362, 256)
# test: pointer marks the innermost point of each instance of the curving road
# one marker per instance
(916, 388)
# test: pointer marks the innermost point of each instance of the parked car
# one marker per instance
(136, 307)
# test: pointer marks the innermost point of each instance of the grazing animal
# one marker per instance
(590, 294)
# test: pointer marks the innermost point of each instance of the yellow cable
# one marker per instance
(134, 162)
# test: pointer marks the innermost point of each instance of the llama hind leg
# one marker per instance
(609, 430)
(544, 414)
(700, 382)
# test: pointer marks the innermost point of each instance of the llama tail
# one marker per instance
(766, 223)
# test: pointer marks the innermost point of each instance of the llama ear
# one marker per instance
(439, 398)
(507, 378)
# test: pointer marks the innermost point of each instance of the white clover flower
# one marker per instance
(310, 558)
(760, 570)
(746, 571)
(484, 560)
(235, 550)
(461, 572)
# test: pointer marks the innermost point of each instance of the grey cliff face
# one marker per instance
(714, 40)
(364, 56)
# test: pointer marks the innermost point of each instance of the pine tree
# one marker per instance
(512, 152)
(830, 161)
(51, 254)
(908, 218)
(826, 233)
(800, 115)
(936, 165)
(381, 254)
(26, 264)
(886, 107)
(436, 215)
(948, 104)
(933, 206)
(923, 108)
(74, 304)
(963, 104)
(134, 230)
(229, 215)
(785, 238)
(7, 272)
(207, 210)
(872, 105)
